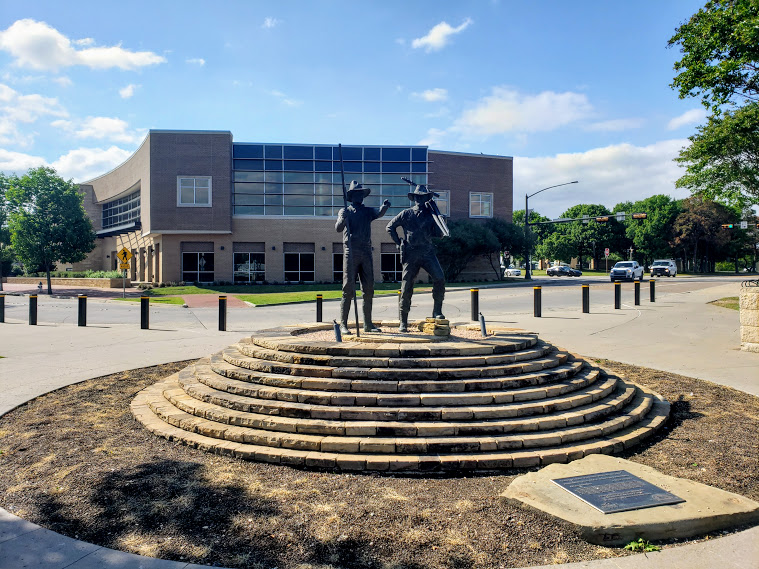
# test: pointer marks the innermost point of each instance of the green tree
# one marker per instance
(539, 232)
(651, 237)
(720, 51)
(47, 221)
(579, 239)
(510, 238)
(722, 161)
(468, 241)
(6, 253)
(697, 231)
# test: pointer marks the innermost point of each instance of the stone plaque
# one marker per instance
(616, 491)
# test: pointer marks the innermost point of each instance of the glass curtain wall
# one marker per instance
(298, 180)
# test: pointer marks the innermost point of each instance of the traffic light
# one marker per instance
(640, 215)
(727, 226)
(602, 219)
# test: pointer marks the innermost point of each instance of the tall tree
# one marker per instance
(539, 232)
(468, 241)
(698, 232)
(651, 237)
(5, 235)
(581, 240)
(510, 238)
(722, 161)
(47, 221)
(720, 47)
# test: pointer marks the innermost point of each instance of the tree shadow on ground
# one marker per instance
(171, 499)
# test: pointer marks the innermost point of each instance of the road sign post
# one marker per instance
(124, 256)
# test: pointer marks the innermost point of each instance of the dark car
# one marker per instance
(563, 271)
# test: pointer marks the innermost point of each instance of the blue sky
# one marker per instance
(572, 90)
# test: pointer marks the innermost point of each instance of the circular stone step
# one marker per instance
(393, 401)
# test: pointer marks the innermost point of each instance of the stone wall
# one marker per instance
(749, 307)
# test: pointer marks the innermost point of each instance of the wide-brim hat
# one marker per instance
(356, 187)
(422, 191)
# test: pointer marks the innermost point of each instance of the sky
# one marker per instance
(571, 90)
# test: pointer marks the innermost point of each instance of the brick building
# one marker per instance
(197, 206)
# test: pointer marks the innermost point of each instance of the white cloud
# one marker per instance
(63, 81)
(82, 164)
(434, 137)
(16, 108)
(290, 102)
(432, 95)
(40, 46)
(439, 36)
(270, 23)
(608, 176)
(128, 91)
(693, 116)
(102, 128)
(615, 125)
(506, 110)
(199, 61)
(18, 163)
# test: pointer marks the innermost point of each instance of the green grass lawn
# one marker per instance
(730, 302)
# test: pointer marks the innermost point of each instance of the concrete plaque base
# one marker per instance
(705, 508)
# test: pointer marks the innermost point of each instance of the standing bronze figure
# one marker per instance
(355, 223)
(420, 224)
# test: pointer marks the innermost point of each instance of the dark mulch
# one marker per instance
(77, 462)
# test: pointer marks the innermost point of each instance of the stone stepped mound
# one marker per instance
(392, 402)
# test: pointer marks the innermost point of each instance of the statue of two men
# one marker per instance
(417, 251)
(355, 223)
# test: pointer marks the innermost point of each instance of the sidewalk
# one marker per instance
(679, 333)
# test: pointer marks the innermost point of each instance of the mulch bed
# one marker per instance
(75, 461)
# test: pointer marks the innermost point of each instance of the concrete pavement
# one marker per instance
(679, 333)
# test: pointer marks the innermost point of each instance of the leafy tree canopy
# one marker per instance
(651, 237)
(720, 51)
(697, 229)
(578, 239)
(723, 160)
(468, 240)
(47, 220)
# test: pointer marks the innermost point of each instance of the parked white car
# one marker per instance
(511, 271)
(627, 271)
(663, 267)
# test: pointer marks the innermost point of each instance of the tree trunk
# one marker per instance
(49, 284)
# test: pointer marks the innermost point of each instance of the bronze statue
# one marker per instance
(420, 224)
(355, 223)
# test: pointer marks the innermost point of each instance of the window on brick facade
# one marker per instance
(443, 202)
(480, 204)
(194, 191)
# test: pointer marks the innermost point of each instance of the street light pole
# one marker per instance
(528, 264)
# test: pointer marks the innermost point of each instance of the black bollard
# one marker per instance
(144, 312)
(617, 296)
(483, 327)
(336, 328)
(319, 301)
(652, 290)
(475, 296)
(2, 308)
(637, 293)
(222, 313)
(82, 310)
(32, 309)
(537, 303)
(586, 299)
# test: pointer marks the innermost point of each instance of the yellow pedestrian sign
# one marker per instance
(124, 255)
